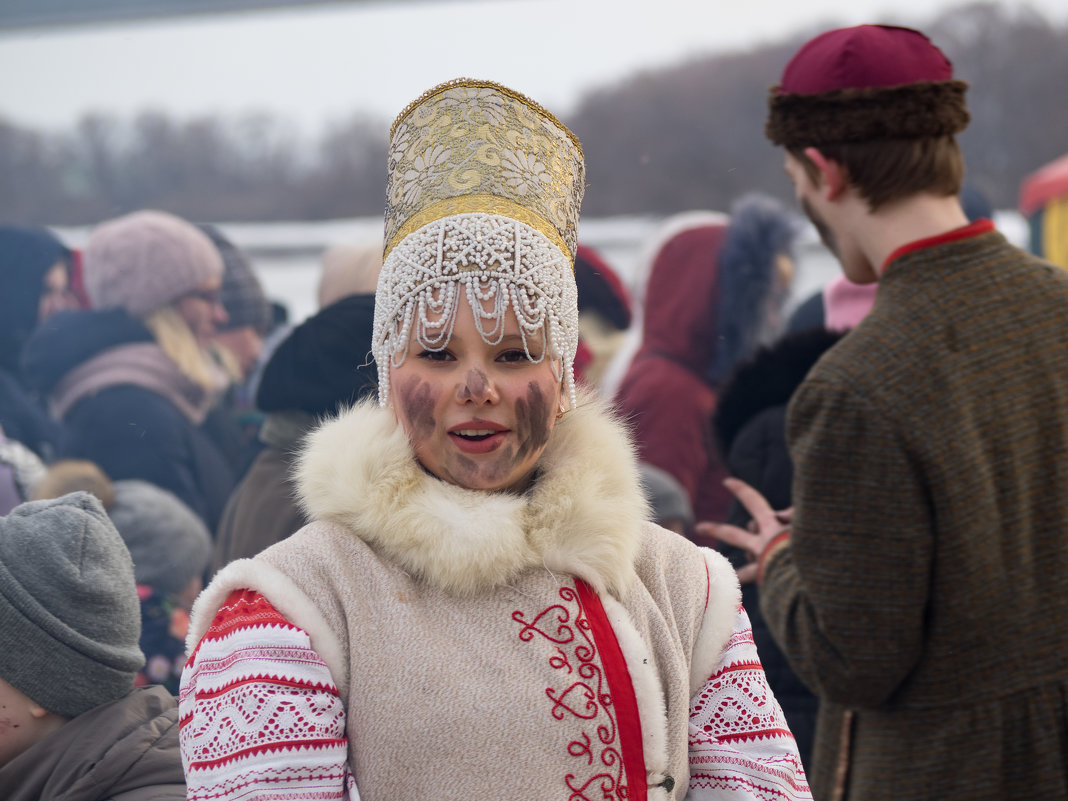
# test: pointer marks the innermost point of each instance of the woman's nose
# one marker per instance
(477, 387)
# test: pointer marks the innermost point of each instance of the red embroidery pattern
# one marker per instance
(259, 714)
(740, 746)
(736, 702)
(584, 696)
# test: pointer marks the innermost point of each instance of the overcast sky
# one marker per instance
(322, 64)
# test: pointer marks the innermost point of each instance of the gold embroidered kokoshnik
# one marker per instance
(473, 146)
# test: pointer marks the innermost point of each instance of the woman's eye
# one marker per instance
(435, 355)
(513, 356)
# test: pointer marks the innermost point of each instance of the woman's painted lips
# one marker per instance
(478, 437)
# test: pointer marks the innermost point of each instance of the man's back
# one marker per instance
(932, 453)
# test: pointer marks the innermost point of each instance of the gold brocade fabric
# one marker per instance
(474, 146)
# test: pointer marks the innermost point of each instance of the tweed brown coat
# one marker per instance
(924, 594)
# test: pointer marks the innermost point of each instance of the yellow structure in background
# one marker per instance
(1055, 232)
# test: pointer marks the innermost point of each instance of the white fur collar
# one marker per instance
(583, 515)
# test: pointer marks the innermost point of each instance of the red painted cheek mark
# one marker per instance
(532, 421)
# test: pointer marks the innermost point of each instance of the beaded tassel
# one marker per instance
(497, 262)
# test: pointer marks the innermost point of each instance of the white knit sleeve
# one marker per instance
(260, 716)
(740, 744)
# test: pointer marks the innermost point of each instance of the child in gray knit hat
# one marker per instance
(170, 548)
(69, 626)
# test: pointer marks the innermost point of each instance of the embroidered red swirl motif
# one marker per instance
(585, 699)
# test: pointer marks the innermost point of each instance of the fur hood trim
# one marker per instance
(582, 516)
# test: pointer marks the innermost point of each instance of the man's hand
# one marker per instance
(766, 525)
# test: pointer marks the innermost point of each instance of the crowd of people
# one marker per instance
(491, 523)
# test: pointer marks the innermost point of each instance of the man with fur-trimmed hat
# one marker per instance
(919, 587)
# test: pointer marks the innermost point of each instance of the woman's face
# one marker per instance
(202, 310)
(478, 416)
(56, 294)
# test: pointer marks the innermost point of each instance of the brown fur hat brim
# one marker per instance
(909, 111)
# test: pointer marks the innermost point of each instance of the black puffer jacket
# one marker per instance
(750, 428)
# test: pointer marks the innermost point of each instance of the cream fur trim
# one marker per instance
(285, 596)
(724, 598)
(583, 515)
(652, 711)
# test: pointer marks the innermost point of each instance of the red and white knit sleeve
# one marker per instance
(740, 744)
(260, 716)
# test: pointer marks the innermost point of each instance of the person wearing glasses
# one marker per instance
(132, 378)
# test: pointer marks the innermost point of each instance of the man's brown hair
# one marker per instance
(893, 169)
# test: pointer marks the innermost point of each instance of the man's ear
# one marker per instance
(832, 174)
(38, 711)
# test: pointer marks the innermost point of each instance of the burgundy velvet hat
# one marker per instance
(863, 84)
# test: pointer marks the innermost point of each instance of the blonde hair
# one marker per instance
(175, 339)
(227, 362)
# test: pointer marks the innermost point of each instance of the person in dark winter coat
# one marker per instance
(750, 429)
(72, 725)
(919, 584)
(37, 279)
(131, 380)
(322, 367)
(715, 290)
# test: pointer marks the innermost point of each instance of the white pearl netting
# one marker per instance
(500, 263)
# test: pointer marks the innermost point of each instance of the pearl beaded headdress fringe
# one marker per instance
(482, 198)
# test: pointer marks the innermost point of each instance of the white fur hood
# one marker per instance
(583, 515)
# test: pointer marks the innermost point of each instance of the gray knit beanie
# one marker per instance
(143, 261)
(167, 541)
(70, 619)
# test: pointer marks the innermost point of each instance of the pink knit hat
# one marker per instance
(143, 261)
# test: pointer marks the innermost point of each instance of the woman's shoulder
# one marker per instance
(694, 587)
(665, 556)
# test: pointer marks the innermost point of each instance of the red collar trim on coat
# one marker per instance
(981, 226)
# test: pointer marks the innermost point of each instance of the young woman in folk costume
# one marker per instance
(480, 609)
